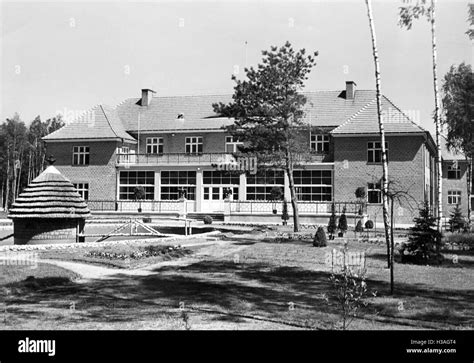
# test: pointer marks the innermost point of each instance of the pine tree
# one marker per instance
(342, 225)
(320, 238)
(332, 225)
(457, 221)
(423, 239)
(284, 213)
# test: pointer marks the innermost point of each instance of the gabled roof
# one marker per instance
(323, 108)
(365, 120)
(100, 122)
(50, 195)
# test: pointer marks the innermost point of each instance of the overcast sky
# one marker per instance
(69, 56)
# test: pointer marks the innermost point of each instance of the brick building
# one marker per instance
(171, 145)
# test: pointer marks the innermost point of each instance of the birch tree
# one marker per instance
(409, 12)
(382, 132)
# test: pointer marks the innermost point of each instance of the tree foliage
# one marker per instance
(268, 110)
(456, 220)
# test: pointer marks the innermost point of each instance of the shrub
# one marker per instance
(276, 193)
(457, 221)
(424, 241)
(320, 238)
(369, 224)
(332, 225)
(146, 220)
(360, 193)
(139, 192)
(359, 227)
(342, 225)
(207, 220)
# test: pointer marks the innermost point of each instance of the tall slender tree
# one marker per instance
(386, 221)
(409, 12)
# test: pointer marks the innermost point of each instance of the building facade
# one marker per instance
(175, 146)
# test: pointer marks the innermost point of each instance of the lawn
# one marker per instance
(250, 281)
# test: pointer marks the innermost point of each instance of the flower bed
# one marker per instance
(140, 253)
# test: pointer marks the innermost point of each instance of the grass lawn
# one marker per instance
(253, 282)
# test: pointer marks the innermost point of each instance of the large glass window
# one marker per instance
(193, 145)
(174, 183)
(220, 177)
(80, 155)
(320, 143)
(313, 185)
(154, 145)
(129, 180)
(374, 151)
(260, 185)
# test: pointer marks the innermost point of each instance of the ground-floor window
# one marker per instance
(129, 180)
(454, 197)
(175, 183)
(374, 193)
(218, 184)
(82, 189)
(313, 185)
(260, 185)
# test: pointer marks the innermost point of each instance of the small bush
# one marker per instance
(342, 226)
(284, 214)
(320, 238)
(207, 220)
(359, 227)
(369, 224)
(332, 225)
(146, 220)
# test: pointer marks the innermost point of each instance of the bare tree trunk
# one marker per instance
(29, 169)
(392, 249)
(7, 194)
(17, 191)
(469, 179)
(294, 201)
(381, 126)
(437, 119)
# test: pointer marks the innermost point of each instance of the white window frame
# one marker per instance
(154, 145)
(195, 145)
(373, 150)
(229, 141)
(82, 189)
(376, 187)
(319, 143)
(80, 155)
(312, 184)
(454, 197)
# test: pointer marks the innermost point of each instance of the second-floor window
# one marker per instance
(82, 189)
(154, 145)
(374, 193)
(80, 155)
(320, 143)
(454, 171)
(194, 145)
(374, 151)
(231, 144)
(454, 197)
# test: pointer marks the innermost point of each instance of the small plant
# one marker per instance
(320, 238)
(342, 225)
(146, 220)
(284, 213)
(457, 221)
(185, 318)
(350, 290)
(369, 225)
(424, 241)
(332, 225)
(358, 227)
(207, 220)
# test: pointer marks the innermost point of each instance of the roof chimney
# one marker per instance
(350, 90)
(147, 95)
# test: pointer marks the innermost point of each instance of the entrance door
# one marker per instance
(213, 197)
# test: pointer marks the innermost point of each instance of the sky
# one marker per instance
(68, 56)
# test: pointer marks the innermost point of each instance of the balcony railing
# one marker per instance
(196, 159)
(174, 158)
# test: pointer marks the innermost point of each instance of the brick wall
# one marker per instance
(100, 173)
(351, 170)
(454, 184)
(213, 142)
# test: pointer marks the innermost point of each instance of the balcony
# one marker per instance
(127, 159)
(174, 159)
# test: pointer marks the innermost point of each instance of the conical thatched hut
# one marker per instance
(49, 210)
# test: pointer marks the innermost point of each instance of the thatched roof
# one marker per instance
(50, 195)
